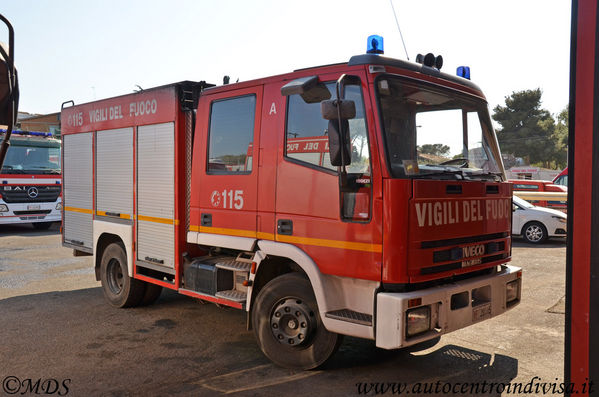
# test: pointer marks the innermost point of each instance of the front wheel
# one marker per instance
(287, 325)
(534, 232)
(119, 289)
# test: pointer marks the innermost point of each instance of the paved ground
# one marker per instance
(56, 327)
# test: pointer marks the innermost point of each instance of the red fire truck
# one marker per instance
(30, 180)
(301, 199)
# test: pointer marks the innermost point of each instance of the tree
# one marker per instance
(436, 149)
(561, 139)
(527, 130)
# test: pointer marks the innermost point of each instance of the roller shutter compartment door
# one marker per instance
(78, 189)
(156, 194)
(114, 174)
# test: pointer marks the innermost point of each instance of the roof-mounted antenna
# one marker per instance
(400, 35)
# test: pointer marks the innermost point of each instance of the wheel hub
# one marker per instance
(534, 233)
(291, 321)
(115, 276)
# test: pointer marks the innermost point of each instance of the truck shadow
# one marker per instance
(449, 369)
(27, 229)
(207, 350)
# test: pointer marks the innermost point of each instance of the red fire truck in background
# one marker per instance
(30, 180)
(562, 178)
(301, 199)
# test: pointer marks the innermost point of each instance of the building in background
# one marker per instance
(39, 122)
(530, 172)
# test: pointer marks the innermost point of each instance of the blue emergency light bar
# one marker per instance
(32, 133)
(374, 45)
(464, 71)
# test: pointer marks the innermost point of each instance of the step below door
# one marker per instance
(156, 195)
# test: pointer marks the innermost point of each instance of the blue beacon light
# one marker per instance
(464, 71)
(375, 45)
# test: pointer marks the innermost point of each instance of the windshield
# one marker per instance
(433, 132)
(27, 156)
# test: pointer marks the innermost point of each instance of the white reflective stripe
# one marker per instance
(30, 181)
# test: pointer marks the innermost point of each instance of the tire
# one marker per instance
(42, 225)
(151, 294)
(119, 289)
(534, 232)
(287, 325)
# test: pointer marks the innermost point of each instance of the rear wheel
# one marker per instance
(287, 325)
(534, 232)
(119, 289)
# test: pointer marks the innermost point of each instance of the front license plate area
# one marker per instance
(33, 207)
(481, 312)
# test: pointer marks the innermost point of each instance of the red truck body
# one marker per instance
(228, 194)
(562, 178)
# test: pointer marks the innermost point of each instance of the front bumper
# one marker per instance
(31, 212)
(452, 306)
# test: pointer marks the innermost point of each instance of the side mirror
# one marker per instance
(9, 89)
(311, 89)
(331, 110)
(9, 92)
(335, 145)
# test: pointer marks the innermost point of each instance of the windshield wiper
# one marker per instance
(494, 175)
(457, 173)
(9, 169)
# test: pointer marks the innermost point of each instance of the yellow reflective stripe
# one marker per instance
(331, 243)
(122, 216)
(81, 210)
(265, 236)
(154, 219)
(378, 248)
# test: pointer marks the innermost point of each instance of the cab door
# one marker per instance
(339, 230)
(230, 125)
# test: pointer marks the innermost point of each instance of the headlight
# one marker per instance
(418, 320)
(59, 206)
(3, 208)
(560, 219)
(511, 291)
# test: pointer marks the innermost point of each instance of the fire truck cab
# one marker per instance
(303, 199)
(30, 180)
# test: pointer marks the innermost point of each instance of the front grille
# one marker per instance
(457, 253)
(461, 240)
(22, 194)
(36, 212)
(458, 265)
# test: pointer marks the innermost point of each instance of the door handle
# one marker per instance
(285, 227)
(206, 220)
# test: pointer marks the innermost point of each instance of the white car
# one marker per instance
(536, 224)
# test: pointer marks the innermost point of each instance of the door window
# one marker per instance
(231, 135)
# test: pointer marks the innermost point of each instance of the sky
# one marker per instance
(86, 50)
